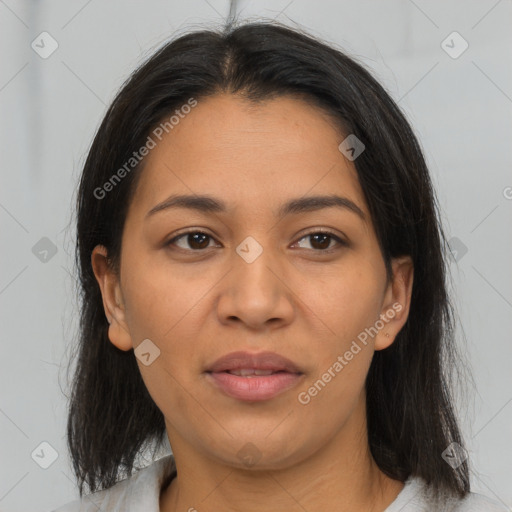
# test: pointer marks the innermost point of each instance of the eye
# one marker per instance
(320, 241)
(196, 240)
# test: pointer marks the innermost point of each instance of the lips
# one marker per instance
(253, 377)
(264, 361)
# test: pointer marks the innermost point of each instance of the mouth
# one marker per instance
(253, 377)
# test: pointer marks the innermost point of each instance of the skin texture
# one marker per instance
(197, 305)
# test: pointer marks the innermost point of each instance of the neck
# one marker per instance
(342, 476)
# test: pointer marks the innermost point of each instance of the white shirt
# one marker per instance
(141, 493)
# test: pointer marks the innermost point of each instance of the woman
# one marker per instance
(263, 279)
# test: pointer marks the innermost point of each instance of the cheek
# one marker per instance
(344, 350)
(348, 299)
(348, 303)
(165, 307)
(159, 301)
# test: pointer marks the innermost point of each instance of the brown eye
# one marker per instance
(321, 241)
(196, 240)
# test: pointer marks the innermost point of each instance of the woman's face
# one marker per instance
(255, 279)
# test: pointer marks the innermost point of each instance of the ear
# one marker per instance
(113, 305)
(397, 301)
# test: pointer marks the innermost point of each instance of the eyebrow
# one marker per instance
(208, 204)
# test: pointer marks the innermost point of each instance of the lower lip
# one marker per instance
(255, 388)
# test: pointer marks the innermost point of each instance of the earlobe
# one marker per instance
(397, 302)
(113, 306)
(119, 336)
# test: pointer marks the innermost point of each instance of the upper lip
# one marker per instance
(260, 361)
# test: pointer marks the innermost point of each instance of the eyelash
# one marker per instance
(330, 234)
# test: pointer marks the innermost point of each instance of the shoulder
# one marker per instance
(139, 492)
(474, 502)
(416, 496)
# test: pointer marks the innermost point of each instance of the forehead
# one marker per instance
(251, 154)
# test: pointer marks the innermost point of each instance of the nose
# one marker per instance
(256, 294)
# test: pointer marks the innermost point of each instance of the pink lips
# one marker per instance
(239, 375)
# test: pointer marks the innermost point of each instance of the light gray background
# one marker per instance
(460, 108)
